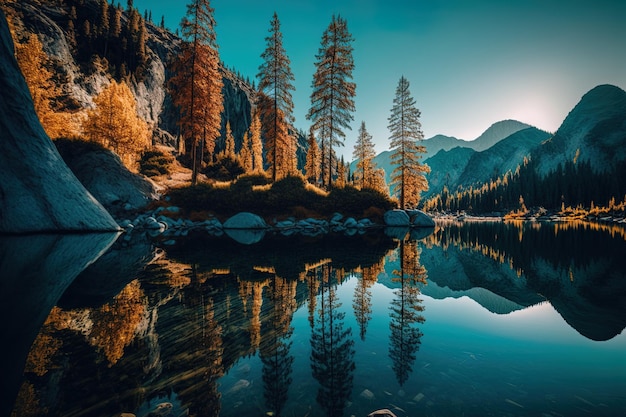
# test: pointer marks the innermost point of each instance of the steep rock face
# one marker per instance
(595, 130)
(37, 190)
(154, 103)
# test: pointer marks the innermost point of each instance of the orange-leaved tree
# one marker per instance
(115, 124)
(196, 85)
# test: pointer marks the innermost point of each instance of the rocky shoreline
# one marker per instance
(167, 225)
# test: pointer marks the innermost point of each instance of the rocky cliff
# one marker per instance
(38, 192)
(80, 84)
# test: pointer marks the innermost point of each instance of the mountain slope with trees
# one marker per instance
(582, 166)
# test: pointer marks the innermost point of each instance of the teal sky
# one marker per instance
(470, 63)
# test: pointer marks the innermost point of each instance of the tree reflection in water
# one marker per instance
(276, 345)
(332, 348)
(406, 309)
(172, 331)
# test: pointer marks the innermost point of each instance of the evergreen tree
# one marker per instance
(408, 176)
(245, 153)
(256, 144)
(197, 83)
(312, 165)
(229, 143)
(332, 100)
(364, 153)
(276, 104)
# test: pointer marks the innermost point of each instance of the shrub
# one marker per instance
(154, 162)
(225, 169)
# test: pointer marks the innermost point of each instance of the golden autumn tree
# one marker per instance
(245, 153)
(275, 103)
(312, 169)
(229, 143)
(256, 144)
(115, 124)
(34, 63)
(196, 86)
(408, 176)
(364, 153)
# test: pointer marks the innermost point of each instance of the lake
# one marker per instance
(467, 319)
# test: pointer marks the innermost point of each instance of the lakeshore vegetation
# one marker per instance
(113, 40)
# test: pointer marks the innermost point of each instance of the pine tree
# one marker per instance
(332, 100)
(342, 170)
(256, 144)
(245, 153)
(364, 153)
(312, 165)
(197, 83)
(115, 124)
(229, 143)
(275, 104)
(408, 176)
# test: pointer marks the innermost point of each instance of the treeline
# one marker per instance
(107, 37)
(573, 184)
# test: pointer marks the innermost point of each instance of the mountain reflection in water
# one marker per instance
(338, 325)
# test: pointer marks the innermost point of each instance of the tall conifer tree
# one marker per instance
(364, 153)
(197, 83)
(332, 100)
(255, 143)
(276, 104)
(408, 176)
(312, 165)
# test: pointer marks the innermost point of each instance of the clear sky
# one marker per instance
(470, 63)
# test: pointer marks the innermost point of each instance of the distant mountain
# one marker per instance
(504, 156)
(446, 168)
(465, 167)
(582, 164)
(495, 133)
(595, 130)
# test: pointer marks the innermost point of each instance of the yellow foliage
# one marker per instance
(115, 124)
(34, 63)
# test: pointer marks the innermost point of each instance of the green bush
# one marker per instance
(224, 169)
(154, 162)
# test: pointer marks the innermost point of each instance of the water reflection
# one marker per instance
(406, 309)
(34, 273)
(210, 327)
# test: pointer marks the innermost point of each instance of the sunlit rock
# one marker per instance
(38, 192)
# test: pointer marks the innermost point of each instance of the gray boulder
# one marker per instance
(108, 180)
(420, 219)
(396, 218)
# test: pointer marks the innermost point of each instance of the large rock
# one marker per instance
(107, 179)
(38, 192)
(396, 218)
(420, 219)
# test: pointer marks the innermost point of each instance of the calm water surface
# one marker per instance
(473, 319)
